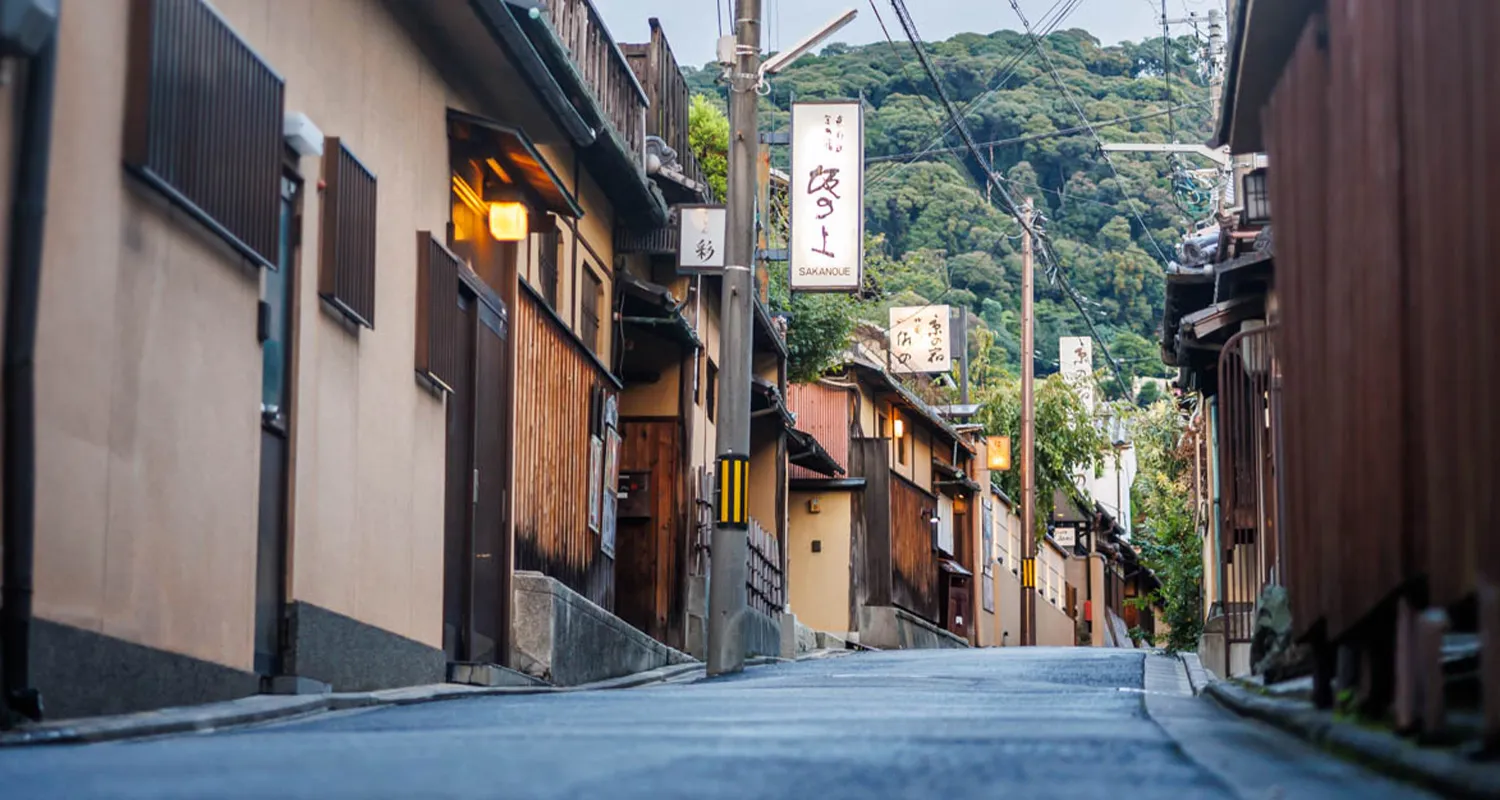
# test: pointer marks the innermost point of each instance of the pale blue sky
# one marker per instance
(692, 26)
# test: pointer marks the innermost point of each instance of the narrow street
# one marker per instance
(1066, 723)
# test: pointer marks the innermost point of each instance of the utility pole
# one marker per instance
(1216, 96)
(729, 545)
(1028, 438)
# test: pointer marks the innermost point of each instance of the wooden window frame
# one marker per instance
(591, 340)
(204, 117)
(711, 391)
(437, 329)
(347, 255)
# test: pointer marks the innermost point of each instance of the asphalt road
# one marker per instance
(1033, 723)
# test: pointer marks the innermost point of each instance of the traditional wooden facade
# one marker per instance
(359, 340)
(1377, 117)
(912, 543)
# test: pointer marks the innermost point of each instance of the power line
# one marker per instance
(909, 25)
(1032, 137)
(1057, 79)
(1003, 76)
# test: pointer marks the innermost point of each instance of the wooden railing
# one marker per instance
(666, 89)
(764, 581)
(603, 67)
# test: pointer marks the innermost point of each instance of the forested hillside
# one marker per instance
(936, 237)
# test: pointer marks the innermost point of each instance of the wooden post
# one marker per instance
(1028, 438)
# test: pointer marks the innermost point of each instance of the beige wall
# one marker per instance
(148, 384)
(1008, 607)
(764, 480)
(657, 399)
(368, 519)
(818, 583)
(149, 370)
(1053, 627)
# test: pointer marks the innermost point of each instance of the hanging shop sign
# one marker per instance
(827, 196)
(701, 238)
(919, 339)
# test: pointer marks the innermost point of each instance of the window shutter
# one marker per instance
(204, 123)
(437, 311)
(346, 268)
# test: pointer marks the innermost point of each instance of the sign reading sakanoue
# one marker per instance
(828, 196)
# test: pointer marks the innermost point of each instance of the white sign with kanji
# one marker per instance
(1075, 360)
(919, 339)
(700, 240)
(827, 191)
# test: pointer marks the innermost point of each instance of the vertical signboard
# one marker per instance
(1075, 359)
(827, 196)
(700, 239)
(919, 339)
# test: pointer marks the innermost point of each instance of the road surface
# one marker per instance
(1023, 723)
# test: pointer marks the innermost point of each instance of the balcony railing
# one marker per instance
(667, 91)
(603, 68)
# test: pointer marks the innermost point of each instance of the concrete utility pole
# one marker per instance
(730, 547)
(1028, 438)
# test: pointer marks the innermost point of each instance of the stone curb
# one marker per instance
(267, 708)
(1444, 771)
(1197, 675)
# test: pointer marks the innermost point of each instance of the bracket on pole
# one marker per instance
(1219, 156)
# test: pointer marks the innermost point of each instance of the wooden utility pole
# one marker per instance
(730, 546)
(1028, 437)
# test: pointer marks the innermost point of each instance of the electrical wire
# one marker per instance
(912, 35)
(1031, 137)
(1057, 79)
(1004, 75)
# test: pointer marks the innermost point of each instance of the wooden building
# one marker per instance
(356, 342)
(891, 551)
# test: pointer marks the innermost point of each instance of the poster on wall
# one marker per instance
(611, 474)
(596, 481)
(607, 532)
(919, 339)
(827, 196)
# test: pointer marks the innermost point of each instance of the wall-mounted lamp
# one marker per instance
(898, 427)
(998, 448)
(508, 221)
(813, 506)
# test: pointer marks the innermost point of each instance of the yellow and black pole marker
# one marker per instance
(734, 492)
(1028, 573)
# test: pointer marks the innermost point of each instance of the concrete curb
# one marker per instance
(1444, 771)
(1197, 675)
(268, 708)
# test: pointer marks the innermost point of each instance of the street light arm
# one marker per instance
(784, 59)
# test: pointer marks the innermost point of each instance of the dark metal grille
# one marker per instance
(204, 122)
(346, 270)
(437, 311)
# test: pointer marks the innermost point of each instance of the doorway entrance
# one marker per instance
(477, 557)
(275, 334)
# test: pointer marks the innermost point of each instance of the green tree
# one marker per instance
(708, 136)
(1066, 438)
(1164, 531)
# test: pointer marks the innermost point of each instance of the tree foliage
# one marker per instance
(946, 242)
(1164, 531)
(708, 136)
(1067, 440)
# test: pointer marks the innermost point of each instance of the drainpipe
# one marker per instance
(24, 268)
